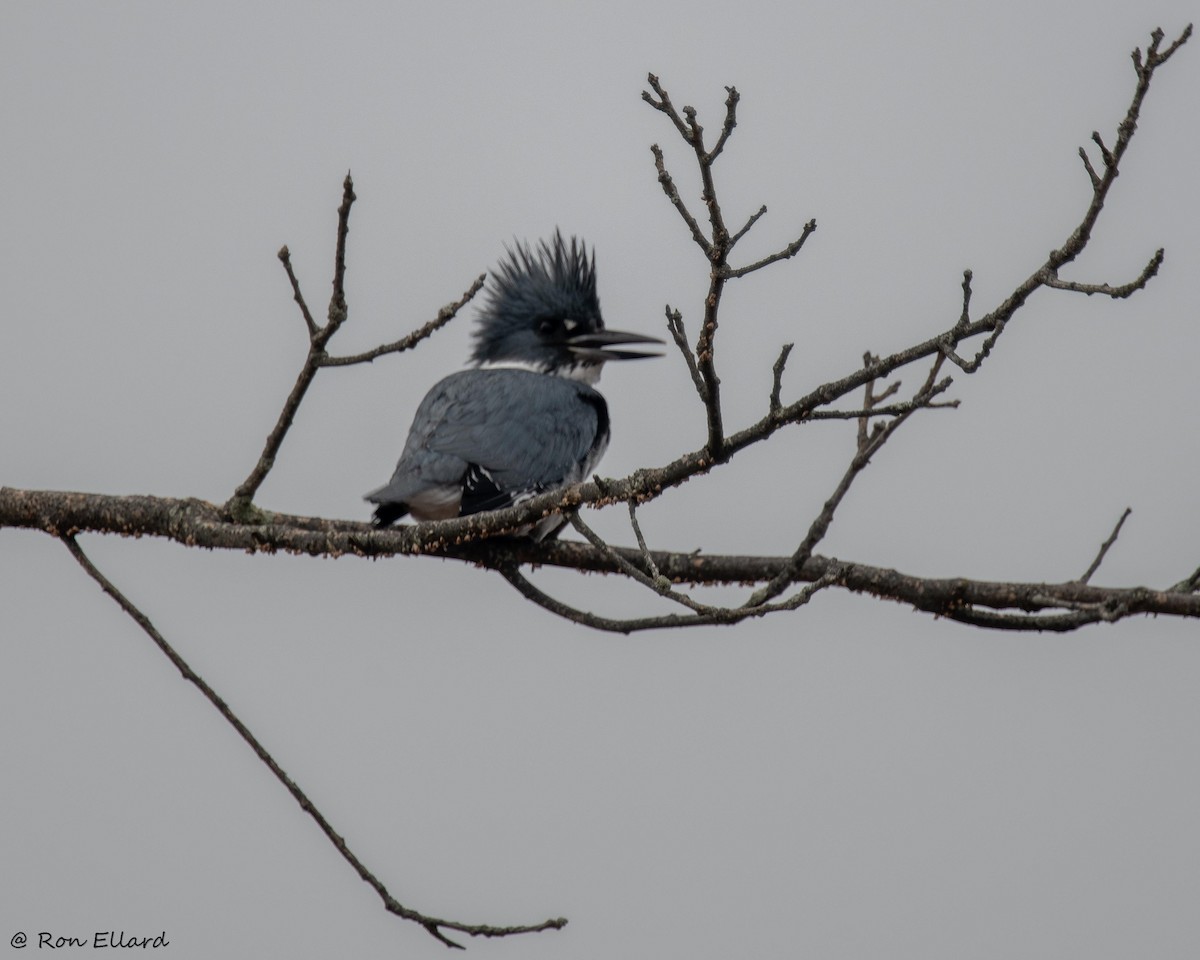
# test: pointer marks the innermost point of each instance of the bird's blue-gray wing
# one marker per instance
(495, 436)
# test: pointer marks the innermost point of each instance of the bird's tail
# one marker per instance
(388, 513)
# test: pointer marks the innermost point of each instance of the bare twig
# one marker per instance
(774, 404)
(753, 219)
(1104, 547)
(240, 505)
(786, 253)
(1104, 151)
(285, 257)
(716, 246)
(338, 310)
(647, 558)
(1119, 292)
(664, 105)
(679, 335)
(964, 318)
(731, 102)
(407, 342)
(867, 447)
(723, 616)
(887, 410)
(652, 580)
(1091, 172)
(1189, 584)
(668, 185)
(434, 925)
(1024, 622)
(868, 402)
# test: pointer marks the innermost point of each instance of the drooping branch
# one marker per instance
(705, 616)
(434, 925)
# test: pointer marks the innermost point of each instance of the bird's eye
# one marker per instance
(559, 326)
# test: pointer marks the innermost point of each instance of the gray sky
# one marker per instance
(856, 780)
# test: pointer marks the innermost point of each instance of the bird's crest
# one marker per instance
(554, 282)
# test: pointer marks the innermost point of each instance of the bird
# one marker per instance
(524, 418)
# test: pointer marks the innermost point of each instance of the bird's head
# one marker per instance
(542, 313)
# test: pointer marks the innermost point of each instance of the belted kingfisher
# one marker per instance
(526, 419)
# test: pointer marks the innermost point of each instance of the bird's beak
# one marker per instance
(596, 346)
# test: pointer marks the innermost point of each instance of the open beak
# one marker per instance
(596, 346)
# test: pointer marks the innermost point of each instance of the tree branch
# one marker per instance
(195, 523)
(407, 342)
(668, 185)
(245, 527)
(434, 925)
(868, 446)
(1104, 547)
(679, 335)
(241, 505)
(1119, 292)
(786, 253)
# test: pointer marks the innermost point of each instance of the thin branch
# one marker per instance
(1105, 153)
(285, 257)
(731, 102)
(1023, 622)
(651, 581)
(1078, 240)
(407, 342)
(663, 105)
(647, 558)
(722, 616)
(754, 218)
(1104, 547)
(946, 346)
(434, 925)
(867, 448)
(240, 506)
(668, 185)
(964, 318)
(715, 247)
(1118, 292)
(338, 310)
(1091, 172)
(868, 402)
(679, 335)
(1189, 584)
(786, 253)
(888, 410)
(774, 403)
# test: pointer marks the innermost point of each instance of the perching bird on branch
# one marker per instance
(525, 419)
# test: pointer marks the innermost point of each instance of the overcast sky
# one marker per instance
(853, 780)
